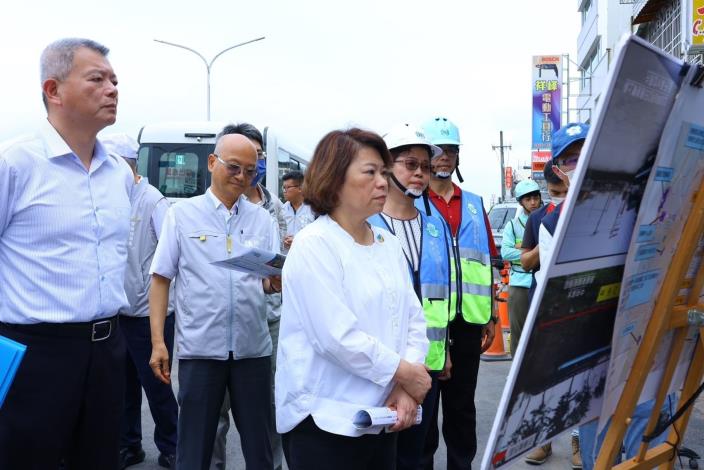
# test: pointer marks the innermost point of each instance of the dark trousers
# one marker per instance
(138, 374)
(458, 411)
(307, 447)
(518, 304)
(411, 441)
(202, 385)
(66, 401)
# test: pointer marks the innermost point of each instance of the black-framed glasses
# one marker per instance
(412, 164)
(233, 169)
(286, 188)
(450, 150)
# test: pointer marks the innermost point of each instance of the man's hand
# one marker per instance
(405, 406)
(159, 362)
(271, 285)
(288, 241)
(414, 379)
(487, 335)
(446, 373)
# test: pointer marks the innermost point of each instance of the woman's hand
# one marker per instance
(414, 379)
(405, 406)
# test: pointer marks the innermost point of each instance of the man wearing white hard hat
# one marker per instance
(149, 207)
(426, 247)
(471, 326)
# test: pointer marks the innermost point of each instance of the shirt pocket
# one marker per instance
(205, 241)
(253, 240)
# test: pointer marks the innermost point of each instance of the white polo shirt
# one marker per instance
(349, 315)
(218, 310)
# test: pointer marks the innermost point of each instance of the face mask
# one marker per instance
(261, 171)
(557, 200)
(415, 193)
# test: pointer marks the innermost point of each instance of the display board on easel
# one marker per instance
(658, 344)
(563, 372)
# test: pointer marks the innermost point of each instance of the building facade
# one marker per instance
(667, 24)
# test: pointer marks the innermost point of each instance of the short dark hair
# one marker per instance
(244, 128)
(550, 175)
(333, 155)
(294, 175)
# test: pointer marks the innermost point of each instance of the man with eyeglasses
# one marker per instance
(471, 327)
(567, 145)
(221, 329)
(255, 193)
(296, 212)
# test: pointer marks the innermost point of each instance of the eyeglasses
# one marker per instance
(412, 164)
(287, 188)
(233, 169)
(568, 161)
(450, 150)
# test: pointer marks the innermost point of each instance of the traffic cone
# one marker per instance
(503, 299)
(496, 351)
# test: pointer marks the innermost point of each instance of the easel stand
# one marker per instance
(666, 316)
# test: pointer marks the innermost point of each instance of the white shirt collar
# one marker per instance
(217, 203)
(57, 147)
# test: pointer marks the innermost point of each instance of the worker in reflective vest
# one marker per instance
(426, 246)
(471, 327)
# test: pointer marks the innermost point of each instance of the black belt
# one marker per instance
(97, 330)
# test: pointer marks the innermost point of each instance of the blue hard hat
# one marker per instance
(566, 136)
(441, 131)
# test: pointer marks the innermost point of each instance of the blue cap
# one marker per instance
(566, 136)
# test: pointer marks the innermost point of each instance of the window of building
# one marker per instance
(585, 9)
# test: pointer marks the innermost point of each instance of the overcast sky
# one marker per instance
(323, 65)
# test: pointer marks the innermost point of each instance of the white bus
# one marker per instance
(174, 156)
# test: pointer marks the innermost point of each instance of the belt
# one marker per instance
(97, 330)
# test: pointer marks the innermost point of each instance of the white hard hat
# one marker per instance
(405, 134)
(121, 145)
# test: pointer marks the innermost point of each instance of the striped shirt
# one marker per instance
(63, 231)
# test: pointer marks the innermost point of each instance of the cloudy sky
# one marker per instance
(323, 65)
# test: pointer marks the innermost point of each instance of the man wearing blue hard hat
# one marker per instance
(567, 145)
(471, 319)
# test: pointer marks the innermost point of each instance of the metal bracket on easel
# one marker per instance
(698, 76)
(695, 317)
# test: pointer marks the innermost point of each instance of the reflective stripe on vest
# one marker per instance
(434, 284)
(472, 247)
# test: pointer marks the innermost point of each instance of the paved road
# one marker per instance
(492, 377)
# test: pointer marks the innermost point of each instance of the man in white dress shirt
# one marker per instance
(221, 329)
(64, 223)
(296, 212)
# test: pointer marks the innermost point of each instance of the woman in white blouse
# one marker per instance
(352, 329)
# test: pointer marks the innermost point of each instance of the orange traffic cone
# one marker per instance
(496, 351)
(503, 299)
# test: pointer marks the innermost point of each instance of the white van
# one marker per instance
(174, 156)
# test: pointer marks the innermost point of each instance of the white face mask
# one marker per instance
(443, 174)
(414, 192)
(557, 200)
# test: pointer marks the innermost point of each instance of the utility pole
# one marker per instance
(501, 148)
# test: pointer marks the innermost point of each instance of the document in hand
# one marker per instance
(11, 354)
(254, 261)
(380, 416)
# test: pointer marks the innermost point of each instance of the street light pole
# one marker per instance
(208, 65)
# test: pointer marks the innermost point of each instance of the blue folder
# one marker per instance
(11, 353)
